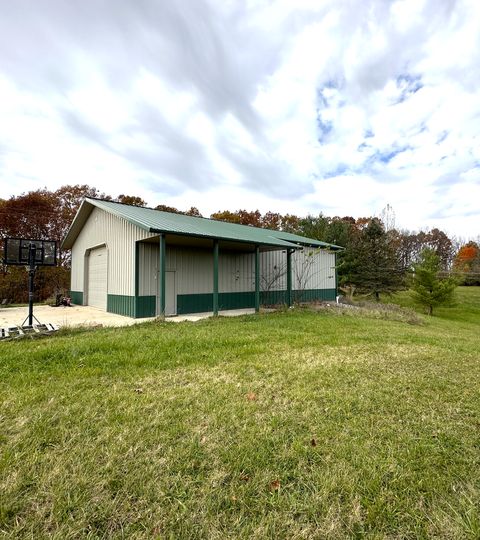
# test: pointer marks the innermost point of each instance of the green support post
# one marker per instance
(257, 279)
(137, 275)
(336, 276)
(289, 278)
(161, 277)
(215, 278)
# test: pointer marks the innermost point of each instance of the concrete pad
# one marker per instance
(65, 316)
(72, 316)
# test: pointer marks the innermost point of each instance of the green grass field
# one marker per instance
(295, 424)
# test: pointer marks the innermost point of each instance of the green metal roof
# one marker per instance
(295, 238)
(156, 221)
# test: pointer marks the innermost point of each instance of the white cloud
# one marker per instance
(340, 106)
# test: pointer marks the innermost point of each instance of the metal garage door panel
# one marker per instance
(97, 278)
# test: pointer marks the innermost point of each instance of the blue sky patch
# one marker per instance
(338, 171)
(442, 136)
(325, 127)
(408, 85)
(387, 156)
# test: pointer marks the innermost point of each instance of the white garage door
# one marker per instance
(97, 278)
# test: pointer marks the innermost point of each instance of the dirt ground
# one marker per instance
(89, 316)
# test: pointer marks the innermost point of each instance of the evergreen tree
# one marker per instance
(428, 289)
(371, 264)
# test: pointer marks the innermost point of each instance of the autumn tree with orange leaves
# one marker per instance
(467, 264)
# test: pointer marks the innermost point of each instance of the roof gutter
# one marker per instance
(325, 247)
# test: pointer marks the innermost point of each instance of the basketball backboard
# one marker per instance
(16, 252)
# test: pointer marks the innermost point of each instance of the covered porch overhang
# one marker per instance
(215, 245)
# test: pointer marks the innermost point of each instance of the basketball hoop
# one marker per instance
(30, 253)
(17, 252)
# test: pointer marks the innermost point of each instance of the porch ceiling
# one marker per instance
(207, 243)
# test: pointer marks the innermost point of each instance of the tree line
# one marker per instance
(377, 259)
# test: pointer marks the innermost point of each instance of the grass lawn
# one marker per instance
(294, 424)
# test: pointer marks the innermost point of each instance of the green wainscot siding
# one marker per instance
(132, 306)
(145, 306)
(273, 298)
(121, 305)
(199, 303)
(310, 295)
(194, 303)
(77, 297)
(269, 298)
(237, 300)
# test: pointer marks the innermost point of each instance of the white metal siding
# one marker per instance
(97, 278)
(119, 237)
(148, 269)
(170, 294)
(194, 269)
(273, 271)
(311, 269)
(236, 272)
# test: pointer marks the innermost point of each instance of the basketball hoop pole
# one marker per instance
(31, 275)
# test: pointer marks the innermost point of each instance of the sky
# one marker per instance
(302, 106)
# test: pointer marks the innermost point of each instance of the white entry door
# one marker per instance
(170, 295)
(97, 278)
